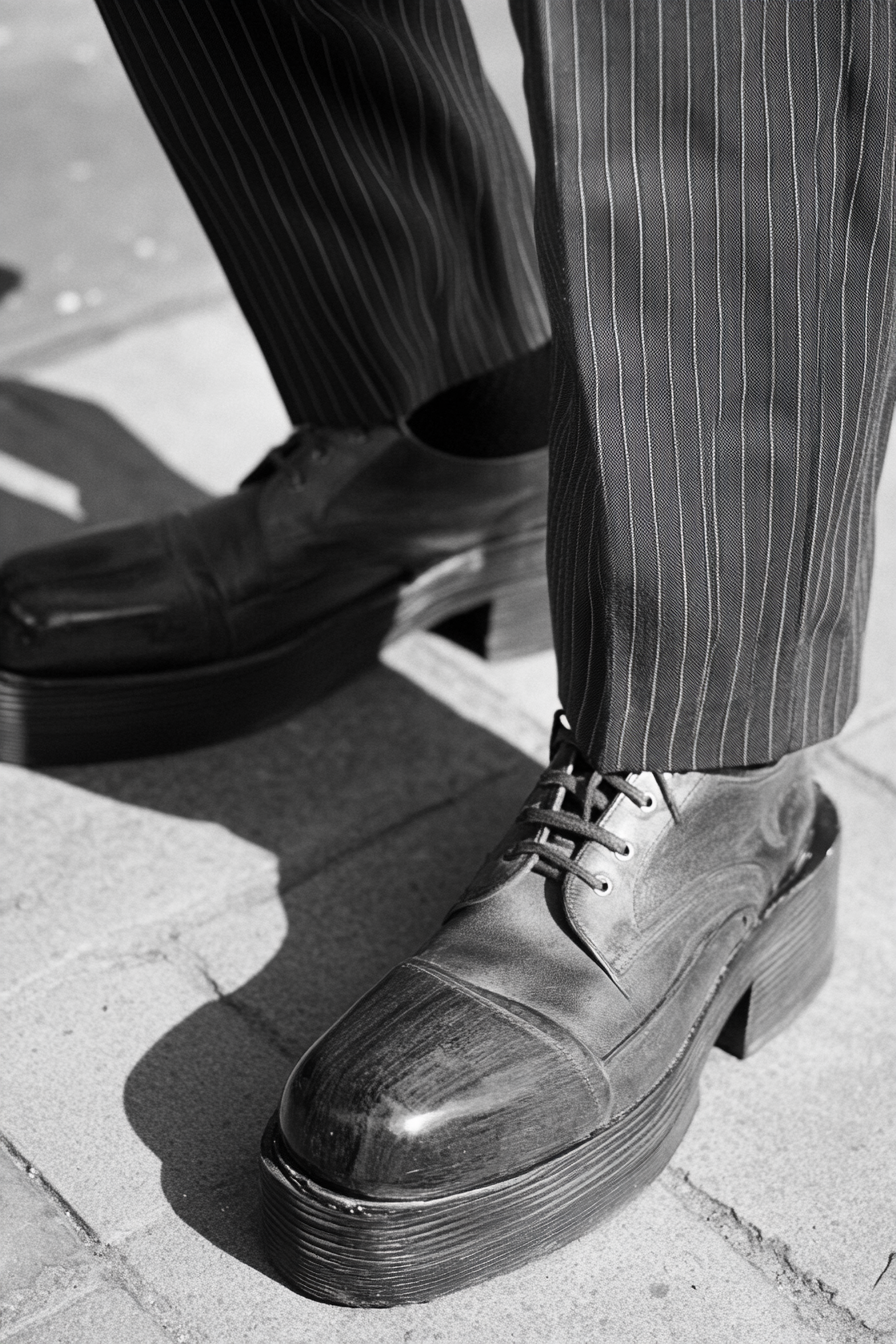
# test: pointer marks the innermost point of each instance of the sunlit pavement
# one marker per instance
(174, 932)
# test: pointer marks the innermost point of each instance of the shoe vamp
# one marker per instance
(520, 946)
(418, 505)
(271, 581)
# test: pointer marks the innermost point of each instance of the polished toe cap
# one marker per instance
(429, 1086)
(110, 600)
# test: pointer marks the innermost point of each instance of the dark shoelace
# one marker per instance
(595, 797)
(302, 449)
(593, 792)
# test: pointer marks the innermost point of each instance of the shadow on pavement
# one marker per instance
(10, 279)
(379, 804)
(117, 476)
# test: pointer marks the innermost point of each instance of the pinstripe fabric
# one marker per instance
(359, 182)
(715, 217)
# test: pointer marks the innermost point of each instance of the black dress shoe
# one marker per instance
(153, 637)
(538, 1061)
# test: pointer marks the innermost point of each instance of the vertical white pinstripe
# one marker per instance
(705, 511)
(585, 234)
(619, 370)
(773, 373)
(670, 346)
(649, 440)
(800, 391)
(742, 613)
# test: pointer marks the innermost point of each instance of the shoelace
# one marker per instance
(594, 798)
(594, 792)
(290, 458)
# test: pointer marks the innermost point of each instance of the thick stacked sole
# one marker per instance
(372, 1253)
(495, 598)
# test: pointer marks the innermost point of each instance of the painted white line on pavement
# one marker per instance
(27, 482)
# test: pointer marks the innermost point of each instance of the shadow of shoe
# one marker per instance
(86, 468)
(379, 804)
(10, 280)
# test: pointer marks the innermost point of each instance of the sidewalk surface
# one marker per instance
(174, 932)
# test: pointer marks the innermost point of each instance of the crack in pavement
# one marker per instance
(813, 1299)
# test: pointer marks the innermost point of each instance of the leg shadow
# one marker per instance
(117, 477)
(379, 803)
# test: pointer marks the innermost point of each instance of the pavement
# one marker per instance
(174, 932)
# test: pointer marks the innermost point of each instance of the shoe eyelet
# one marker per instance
(603, 885)
(649, 805)
(624, 855)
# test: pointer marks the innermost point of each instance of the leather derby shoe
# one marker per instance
(536, 1063)
(152, 637)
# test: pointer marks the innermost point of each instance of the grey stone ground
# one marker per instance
(173, 932)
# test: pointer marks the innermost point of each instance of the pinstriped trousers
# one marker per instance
(715, 232)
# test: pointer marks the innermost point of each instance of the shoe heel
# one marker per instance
(794, 947)
(516, 622)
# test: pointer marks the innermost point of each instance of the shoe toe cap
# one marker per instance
(427, 1087)
(99, 602)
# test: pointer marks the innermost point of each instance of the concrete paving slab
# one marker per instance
(871, 748)
(93, 215)
(798, 1141)
(194, 388)
(653, 1276)
(143, 1017)
(346, 926)
(515, 699)
(108, 1314)
(66, 1049)
(79, 868)
(326, 781)
(45, 1260)
(70, 445)
(502, 61)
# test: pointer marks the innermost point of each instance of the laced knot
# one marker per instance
(586, 795)
(294, 457)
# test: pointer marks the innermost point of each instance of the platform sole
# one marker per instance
(378, 1253)
(495, 597)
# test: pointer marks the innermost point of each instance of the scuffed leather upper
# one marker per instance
(329, 517)
(544, 1007)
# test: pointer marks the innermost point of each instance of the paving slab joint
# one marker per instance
(187, 958)
(24, 356)
(115, 1267)
(83, 1229)
(813, 1300)
(180, 957)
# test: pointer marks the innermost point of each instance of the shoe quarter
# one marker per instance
(684, 878)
